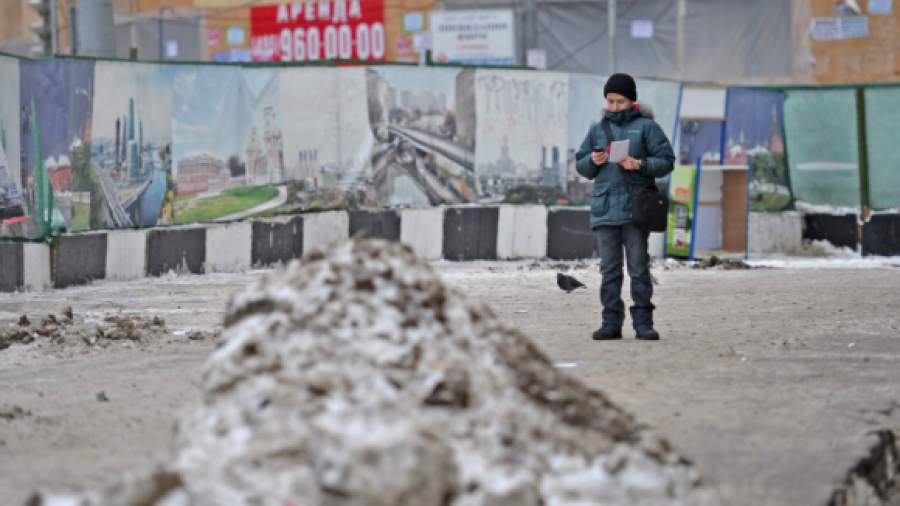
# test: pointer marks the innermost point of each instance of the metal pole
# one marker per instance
(54, 29)
(611, 18)
(133, 52)
(862, 143)
(73, 31)
(527, 29)
(679, 35)
(159, 32)
(534, 25)
(520, 37)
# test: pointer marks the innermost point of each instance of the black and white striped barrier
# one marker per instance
(454, 232)
(785, 232)
(24, 266)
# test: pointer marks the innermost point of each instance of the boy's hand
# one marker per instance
(629, 163)
(599, 157)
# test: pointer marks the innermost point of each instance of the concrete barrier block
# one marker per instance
(176, 249)
(377, 224)
(776, 233)
(522, 232)
(11, 267)
(656, 244)
(881, 235)
(470, 233)
(78, 259)
(423, 231)
(229, 247)
(839, 230)
(36, 266)
(277, 240)
(323, 229)
(126, 254)
(569, 235)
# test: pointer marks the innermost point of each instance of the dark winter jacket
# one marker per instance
(611, 198)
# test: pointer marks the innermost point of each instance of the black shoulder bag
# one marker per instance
(649, 207)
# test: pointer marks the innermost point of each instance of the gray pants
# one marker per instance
(611, 239)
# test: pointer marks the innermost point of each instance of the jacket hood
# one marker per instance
(645, 110)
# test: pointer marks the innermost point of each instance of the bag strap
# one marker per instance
(607, 130)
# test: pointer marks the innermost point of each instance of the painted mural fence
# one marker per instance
(754, 138)
(93, 145)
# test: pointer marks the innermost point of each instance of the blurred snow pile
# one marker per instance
(357, 378)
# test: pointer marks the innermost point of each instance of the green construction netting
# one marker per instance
(823, 154)
(883, 144)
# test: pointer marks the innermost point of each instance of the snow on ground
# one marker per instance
(771, 380)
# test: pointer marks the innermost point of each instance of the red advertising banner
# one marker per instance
(318, 30)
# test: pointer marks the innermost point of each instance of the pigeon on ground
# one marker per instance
(568, 283)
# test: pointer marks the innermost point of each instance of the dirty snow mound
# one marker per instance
(69, 329)
(358, 378)
(68, 334)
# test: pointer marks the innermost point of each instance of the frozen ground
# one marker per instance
(771, 380)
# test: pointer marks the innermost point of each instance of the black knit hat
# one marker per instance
(623, 84)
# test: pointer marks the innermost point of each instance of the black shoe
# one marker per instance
(607, 333)
(646, 334)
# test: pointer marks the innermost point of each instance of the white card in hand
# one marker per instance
(618, 150)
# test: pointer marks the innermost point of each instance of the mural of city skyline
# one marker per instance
(522, 128)
(131, 144)
(226, 130)
(328, 141)
(753, 136)
(227, 136)
(196, 143)
(424, 127)
(56, 151)
(9, 134)
(9, 186)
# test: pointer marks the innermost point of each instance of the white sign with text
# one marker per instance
(478, 37)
